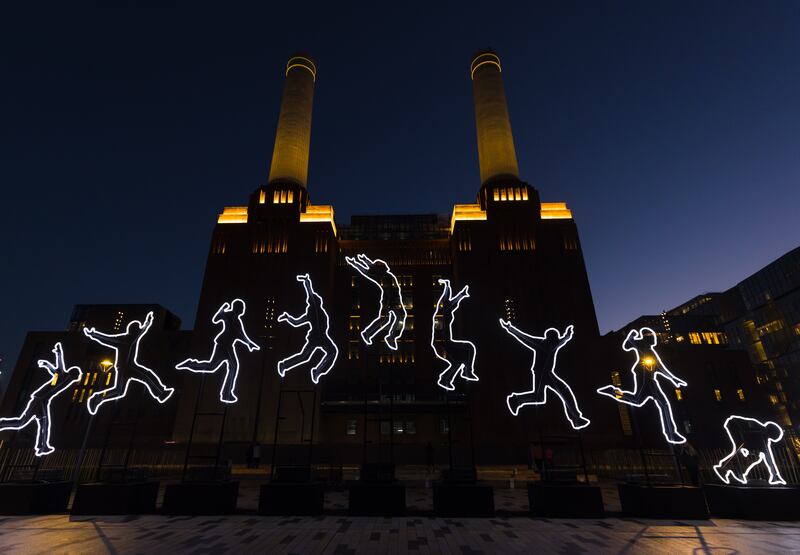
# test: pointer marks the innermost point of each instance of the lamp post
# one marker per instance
(105, 365)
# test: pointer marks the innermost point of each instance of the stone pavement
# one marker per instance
(512, 531)
(343, 535)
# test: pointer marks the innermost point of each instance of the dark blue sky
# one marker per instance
(672, 130)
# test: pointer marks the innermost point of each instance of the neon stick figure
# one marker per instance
(391, 318)
(646, 386)
(317, 338)
(224, 351)
(753, 448)
(544, 375)
(38, 408)
(460, 353)
(127, 368)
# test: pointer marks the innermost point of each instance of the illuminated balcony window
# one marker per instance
(355, 323)
(679, 395)
(740, 393)
(694, 338)
(717, 395)
(262, 197)
(773, 399)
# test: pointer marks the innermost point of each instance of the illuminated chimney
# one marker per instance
(496, 154)
(293, 138)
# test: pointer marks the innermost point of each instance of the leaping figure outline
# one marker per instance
(38, 408)
(754, 448)
(543, 371)
(391, 318)
(646, 370)
(460, 353)
(127, 368)
(229, 315)
(317, 338)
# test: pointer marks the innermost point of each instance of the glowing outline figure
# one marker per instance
(316, 340)
(44, 398)
(224, 351)
(392, 324)
(550, 380)
(449, 304)
(643, 392)
(765, 457)
(130, 366)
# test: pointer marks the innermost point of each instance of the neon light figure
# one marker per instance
(38, 408)
(646, 386)
(754, 448)
(224, 351)
(317, 338)
(127, 368)
(544, 373)
(460, 358)
(391, 318)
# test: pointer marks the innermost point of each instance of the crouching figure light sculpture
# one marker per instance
(391, 318)
(127, 368)
(318, 341)
(38, 408)
(646, 370)
(224, 352)
(752, 447)
(543, 369)
(460, 353)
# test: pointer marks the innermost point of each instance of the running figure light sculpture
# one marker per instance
(224, 352)
(646, 386)
(460, 353)
(543, 370)
(317, 339)
(126, 367)
(391, 318)
(38, 408)
(754, 447)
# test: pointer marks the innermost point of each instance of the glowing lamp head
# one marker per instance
(649, 361)
(106, 364)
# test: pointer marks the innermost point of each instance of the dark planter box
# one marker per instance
(292, 499)
(377, 499)
(670, 502)
(753, 503)
(464, 500)
(34, 498)
(124, 498)
(200, 498)
(565, 501)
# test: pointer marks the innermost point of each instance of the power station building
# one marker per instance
(520, 256)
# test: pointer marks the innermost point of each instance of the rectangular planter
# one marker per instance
(565, 501)
(292, 499)
(753, 503)
(200, 498)
(124, 498)
(463, 500)
(367, 499)
(34, 498)
(668, 502)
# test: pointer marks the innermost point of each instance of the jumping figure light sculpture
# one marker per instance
(38, 408)
(391, 318)
(460, 353)
(543, 370)
(318, 341)
(224, 352)
(754, 447)
(127, 368)
(646, 370)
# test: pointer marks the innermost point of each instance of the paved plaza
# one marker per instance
(511, 531)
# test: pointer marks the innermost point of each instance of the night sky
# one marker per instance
(671, 129)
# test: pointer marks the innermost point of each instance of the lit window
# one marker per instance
(773, 399)
(694, 338)
(352, 350)
(355, 323)
(740, 393)
(717, 395)
(262, 196)
(679, 395)
(350, 426)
